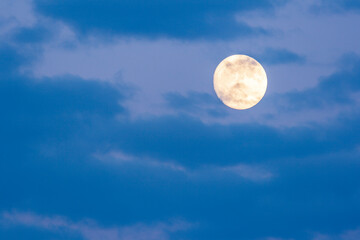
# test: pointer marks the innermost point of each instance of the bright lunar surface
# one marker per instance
(240, 81)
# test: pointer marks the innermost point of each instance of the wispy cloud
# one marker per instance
(119, 158)
(90, 230)
(195, 103)
(173, 19)
(336, 6)
(253, 173)
(275, 56)
(346, 235)
(245, 171)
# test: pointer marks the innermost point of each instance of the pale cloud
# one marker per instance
(351, 235)
(346, 235)
(249, 172)
(253, 173)
(90, 230)
(157, 67)
(19, 12)
(321, 237)
(121, 158)
(15, 14)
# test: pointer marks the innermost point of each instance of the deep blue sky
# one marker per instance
(110, 128)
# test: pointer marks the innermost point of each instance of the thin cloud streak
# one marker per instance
(90, 230)
(248, 172)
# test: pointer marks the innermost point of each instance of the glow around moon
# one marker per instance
(240, 82)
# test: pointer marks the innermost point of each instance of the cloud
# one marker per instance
(87, 113)
(173, 19)
(66, 95)
(337, 6)
(195, 103)
(90, 230)
(10, 61)
(51, 110)
(338, 89)
(51, 127)
(192, 143)
(242, 171)
(31, 35)
(17, 13)
(121, 158)
(249, 172)
(351, 234)
(273, 56)
(346, 235)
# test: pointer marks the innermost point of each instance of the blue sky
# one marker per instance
(111, 130)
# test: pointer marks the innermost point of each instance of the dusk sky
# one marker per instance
(111, 128)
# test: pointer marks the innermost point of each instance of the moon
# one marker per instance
(240, 82)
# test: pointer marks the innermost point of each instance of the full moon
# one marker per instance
(240, 82)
